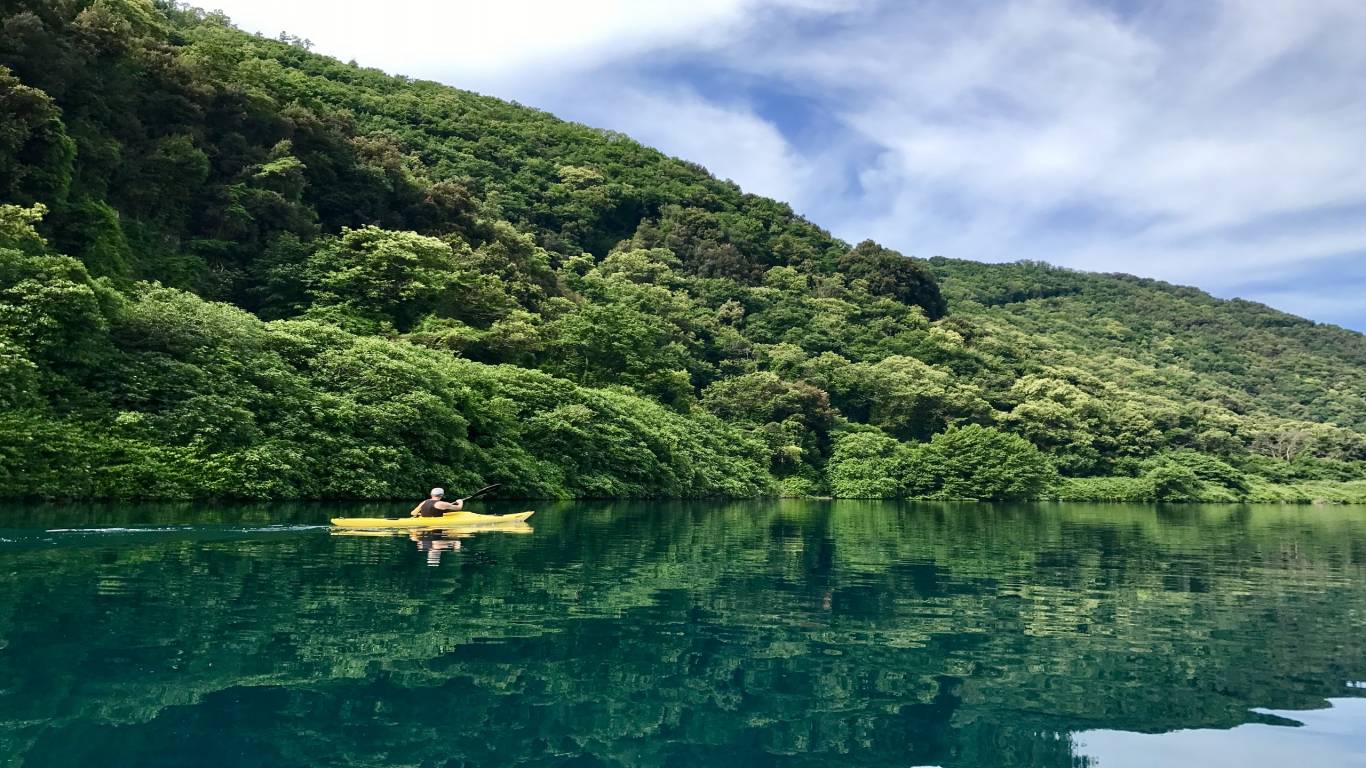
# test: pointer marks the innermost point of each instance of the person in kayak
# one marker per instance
(436, 506)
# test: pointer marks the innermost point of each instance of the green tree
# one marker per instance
(902, 395)
(379, 278)
(49, 307)
(36, 155)
(888, 273)
(793, 417)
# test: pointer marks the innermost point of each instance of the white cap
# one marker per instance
(438, 491)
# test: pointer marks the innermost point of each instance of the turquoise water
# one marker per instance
(668, 634)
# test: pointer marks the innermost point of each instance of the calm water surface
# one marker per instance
(793, 633)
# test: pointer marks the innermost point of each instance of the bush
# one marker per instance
(1104, 489)
(1172, 482)
(799, 487)
(867, 465)
(1210, 469)
(983, 463)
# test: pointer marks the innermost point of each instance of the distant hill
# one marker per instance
(1251, 357)
(229, 266)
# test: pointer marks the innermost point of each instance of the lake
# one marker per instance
(685, 634)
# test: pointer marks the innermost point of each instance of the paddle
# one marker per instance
(481, 491)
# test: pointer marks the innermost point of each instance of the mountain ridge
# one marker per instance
(222, 251)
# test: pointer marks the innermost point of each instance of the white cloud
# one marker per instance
(500, 41)
(1191, 148)
(728, 138)
(735, 142)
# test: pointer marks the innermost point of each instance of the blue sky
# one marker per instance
(1220, 144)
(1328, 736)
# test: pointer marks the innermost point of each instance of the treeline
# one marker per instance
(229, 266)
(158, 393)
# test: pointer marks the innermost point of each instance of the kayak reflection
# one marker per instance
(434, 541)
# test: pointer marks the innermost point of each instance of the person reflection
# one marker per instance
(433, 543)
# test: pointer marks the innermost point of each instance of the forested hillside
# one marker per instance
(231, 267)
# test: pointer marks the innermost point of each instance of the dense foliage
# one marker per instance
(229, 266)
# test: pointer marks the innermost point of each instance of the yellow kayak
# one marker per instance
(456, 532)
(448, 520)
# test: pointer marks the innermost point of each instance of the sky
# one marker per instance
(1328, 736)
(1220, 144)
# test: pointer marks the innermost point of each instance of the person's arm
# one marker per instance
(453, 506)
(417, 511)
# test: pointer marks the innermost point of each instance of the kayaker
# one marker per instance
(436, 506)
